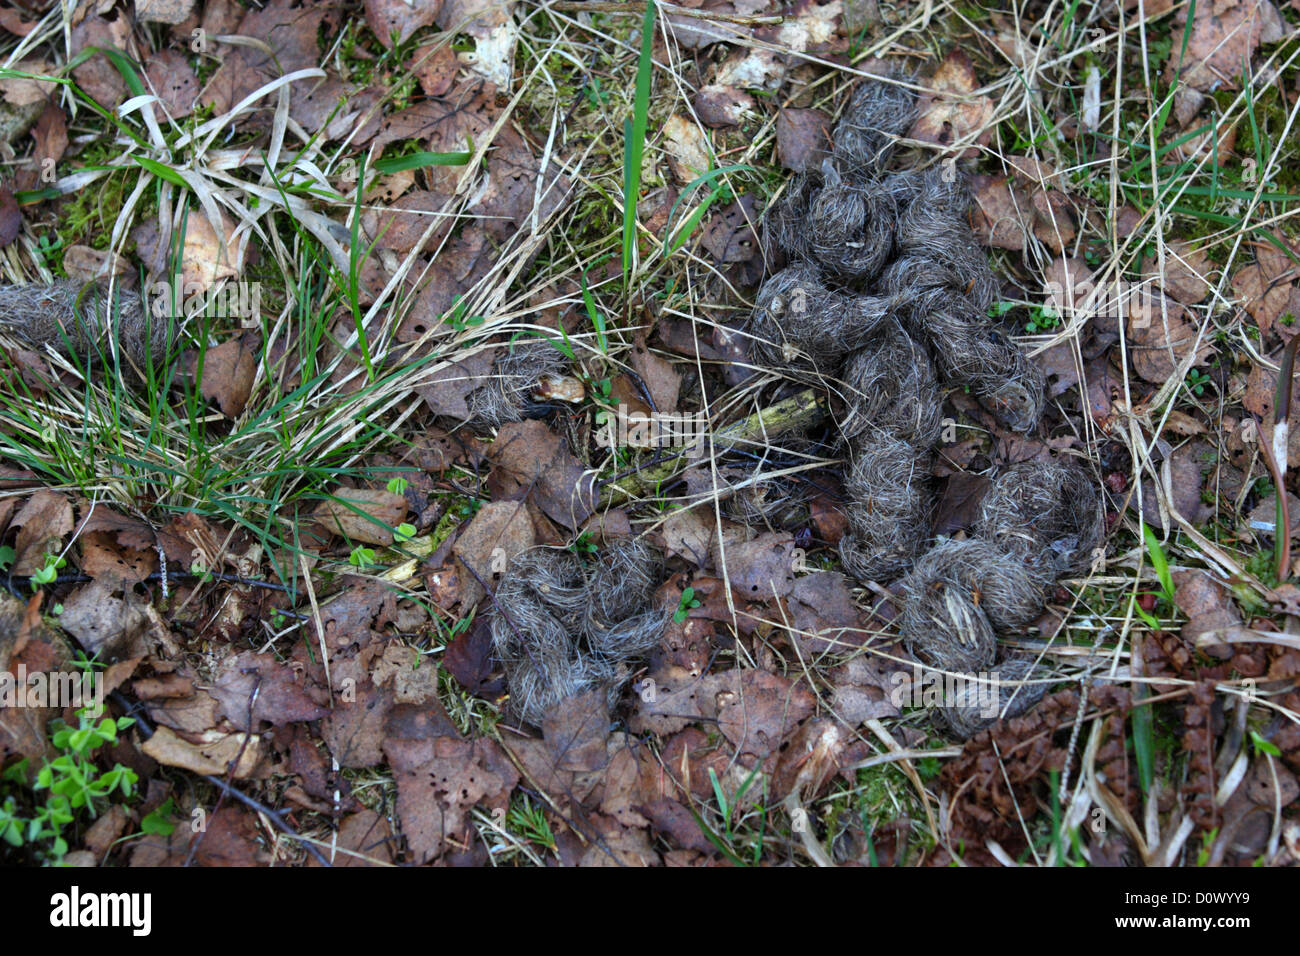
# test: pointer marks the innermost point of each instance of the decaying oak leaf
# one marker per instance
(1187, 271)
(439, 782)
(43, 522)
(1160, 338)
(289, 28)
(207, 256)
(687, 149)
(228, 373)
(1268, 287)
(763, 568)
(1005, 213)
(802, 138)
(538, 462)
(1224, 38)
(256, 687)
(1260, 398)
(949, 112)
(363, 514)
(215, 753)
(163, 11)
(398, 20)
(490, 23)
(499, 531)
(97, 76)
(576, 729)
(757, 710)
(719, 106)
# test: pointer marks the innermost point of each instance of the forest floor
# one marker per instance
(277, 546)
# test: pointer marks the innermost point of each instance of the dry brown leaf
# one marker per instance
(1006, 215)
(111, 627)
(103, 557)
(373, 514)
(499, 531)
(491, 25)
(163, 11)
(763, 568)
(214, 754)
(289, 28)
(824, 615)
(661, 379)
(208, 257)
(439, 782)
(542, 468)
(576, 730)
(718, 106)
(1055, 219)
(254, 687)
(83, 262)
(20, 91)
(948, 112)
(1207, 604)
(1268, 286)
(1160, 337)
(447, 389)
(333, 108)
(758, 710)
(802, 138)
(399, 227)
(1224, 38)
(228, 373)
(11, 217)
(401, 17)
(1187, 272)
(97, 77)
(687, 150)
(436, 67)
(1260, 398)
(51, 135)
(864, 688)
(43, 522)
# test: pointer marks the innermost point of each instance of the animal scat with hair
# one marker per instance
(890, 385)
(850, 227)
(876, 113)
(560, 626)
(1015, 685)
(85, 320)
(507, 390)
(937, 283)
(887, 507)
(1047, 515)
(1038, 522)
(797, 321)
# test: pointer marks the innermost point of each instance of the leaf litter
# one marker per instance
(654, 673)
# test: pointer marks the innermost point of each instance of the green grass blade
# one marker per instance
(401, 164)
(634, 131)
(1158, 561)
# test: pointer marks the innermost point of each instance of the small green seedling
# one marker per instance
(1196, 381)
(1262, 746)
(362, 557)
(686, 604)
(1042, 318)
(48, 571)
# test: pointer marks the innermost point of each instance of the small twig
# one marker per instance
(797, 410)
(175, 575)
